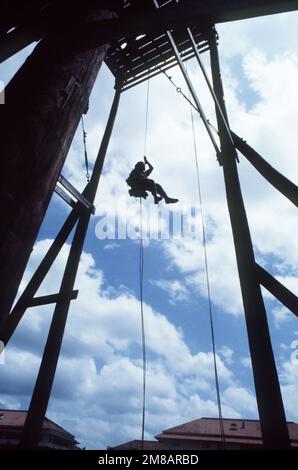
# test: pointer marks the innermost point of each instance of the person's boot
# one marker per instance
(170, 200)
(157, 199)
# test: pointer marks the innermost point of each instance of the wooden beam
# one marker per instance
(38, 277)
(138, 19)
(133, 21)
(74, 192)
(16, 12)
(268, 394)
(279, 181)
(42, 390)
(278, 290)
(44, 104)
(50, 299)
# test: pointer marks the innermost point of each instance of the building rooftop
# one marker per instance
(200, 432)
(16, 419)
(234, 430)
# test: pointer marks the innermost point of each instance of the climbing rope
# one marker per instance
(141, 267)
(179, 90)
(192, 106)
(141, 277)
(85, 151)
(208, 282)
(146, 118)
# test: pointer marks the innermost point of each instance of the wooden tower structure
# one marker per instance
(45, 100)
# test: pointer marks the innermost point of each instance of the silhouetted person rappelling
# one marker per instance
(140, 183)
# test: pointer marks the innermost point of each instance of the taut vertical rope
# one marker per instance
(141, 273)
(208, 283)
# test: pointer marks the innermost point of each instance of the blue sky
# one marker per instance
(97, 393)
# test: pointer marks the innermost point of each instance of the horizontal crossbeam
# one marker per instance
(278, 290)
(50, 299)
(75, 193)
(64, 196)
(137, 18)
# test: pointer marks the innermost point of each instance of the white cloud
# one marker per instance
(246, 362)
(111, 246)
(274, 33)
(242, 400)
(187, 256)
(176, 291)
(281, 315)
(227, 354)
(99, 374)
(289, 387)
(9, 402)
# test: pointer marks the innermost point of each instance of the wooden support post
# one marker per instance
(272, 416)
(44, 103)
(193, 92)
(44, 382)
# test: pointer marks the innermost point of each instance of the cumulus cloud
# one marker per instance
(275, 33)
(176, 291)
(246, 362)
(100, 367)
(289, 378)
(187, 256)
(241, 399)
(227, 353)
(111, 246)
(281, 315)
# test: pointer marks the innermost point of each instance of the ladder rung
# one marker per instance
(74, 192)
(64, 196)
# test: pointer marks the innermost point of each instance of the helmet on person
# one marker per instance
(140, 166)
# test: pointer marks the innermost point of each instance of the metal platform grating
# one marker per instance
(134, 60)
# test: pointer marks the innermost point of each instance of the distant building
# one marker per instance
(204, 433)
(52, 436)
